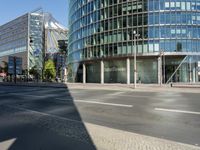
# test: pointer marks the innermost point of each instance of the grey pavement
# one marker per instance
(179, 87)
(100, 118)
(182, 87)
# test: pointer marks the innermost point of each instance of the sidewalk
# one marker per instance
(106, 138)
(140, 87)
(176, 87)
(34, 84)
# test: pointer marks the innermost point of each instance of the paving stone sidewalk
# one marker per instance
(112, 139)
(140, 87)
(191, 88)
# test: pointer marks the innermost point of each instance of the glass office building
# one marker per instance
(13, 39)
(31, 37)
(54, 32)
(23, 37)
(102, 35)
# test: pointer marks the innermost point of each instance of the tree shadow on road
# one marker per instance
(50, 122)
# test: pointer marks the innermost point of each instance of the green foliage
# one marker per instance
(62, 46)
(49, 70)
(5, 68)
(33, 71)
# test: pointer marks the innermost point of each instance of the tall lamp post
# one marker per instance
(162, 67)
(135, 55)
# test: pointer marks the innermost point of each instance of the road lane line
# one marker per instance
(44, 114)
(177, 111)
(19, 94)
(135, 96)
(100, 103)
(117, 93)
(80, 101)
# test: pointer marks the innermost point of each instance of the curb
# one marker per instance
(36, 85)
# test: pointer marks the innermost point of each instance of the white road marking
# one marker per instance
(136, 96)
(116, 93)
(177, 111)
(19, 94)
(100, 103)
(44, 114)
(80, 101)
(73, 92)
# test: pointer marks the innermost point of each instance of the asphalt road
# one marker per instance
(168, 115)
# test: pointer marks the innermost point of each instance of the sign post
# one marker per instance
(14, 66)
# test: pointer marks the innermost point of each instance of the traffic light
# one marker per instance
(30, 39)
(62, 44)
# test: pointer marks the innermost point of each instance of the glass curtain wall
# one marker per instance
(36, 42)
(174, 25)
(13, 36)
(103, 29)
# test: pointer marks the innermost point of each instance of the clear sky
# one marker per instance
(10, 9)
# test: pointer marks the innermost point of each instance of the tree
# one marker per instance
(62, 44)
(49, 70)
(1, 69)
(33, 71)
(5, 68)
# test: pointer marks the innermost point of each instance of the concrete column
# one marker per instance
(102, 72)
(194, 74)
(190, 69)
(128, 70)
(159, 70)
(84, 73)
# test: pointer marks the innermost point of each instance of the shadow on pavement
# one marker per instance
(42, 123)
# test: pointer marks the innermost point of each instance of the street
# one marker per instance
(45, 118)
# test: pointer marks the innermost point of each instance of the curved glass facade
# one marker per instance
(103, 30)
(174, 25)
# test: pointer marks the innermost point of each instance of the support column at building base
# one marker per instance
(128, 70)
(84, 73)
(102, 72)
(159, 71)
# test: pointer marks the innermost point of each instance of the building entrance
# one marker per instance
(169, 70)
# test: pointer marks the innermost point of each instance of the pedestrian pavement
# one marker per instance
(175, 87)
(184, 88)
(105, 138)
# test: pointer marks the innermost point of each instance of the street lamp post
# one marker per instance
(135, 57)
(15, 70)
(162, 67)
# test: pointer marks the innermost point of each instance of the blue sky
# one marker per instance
(10, 9)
